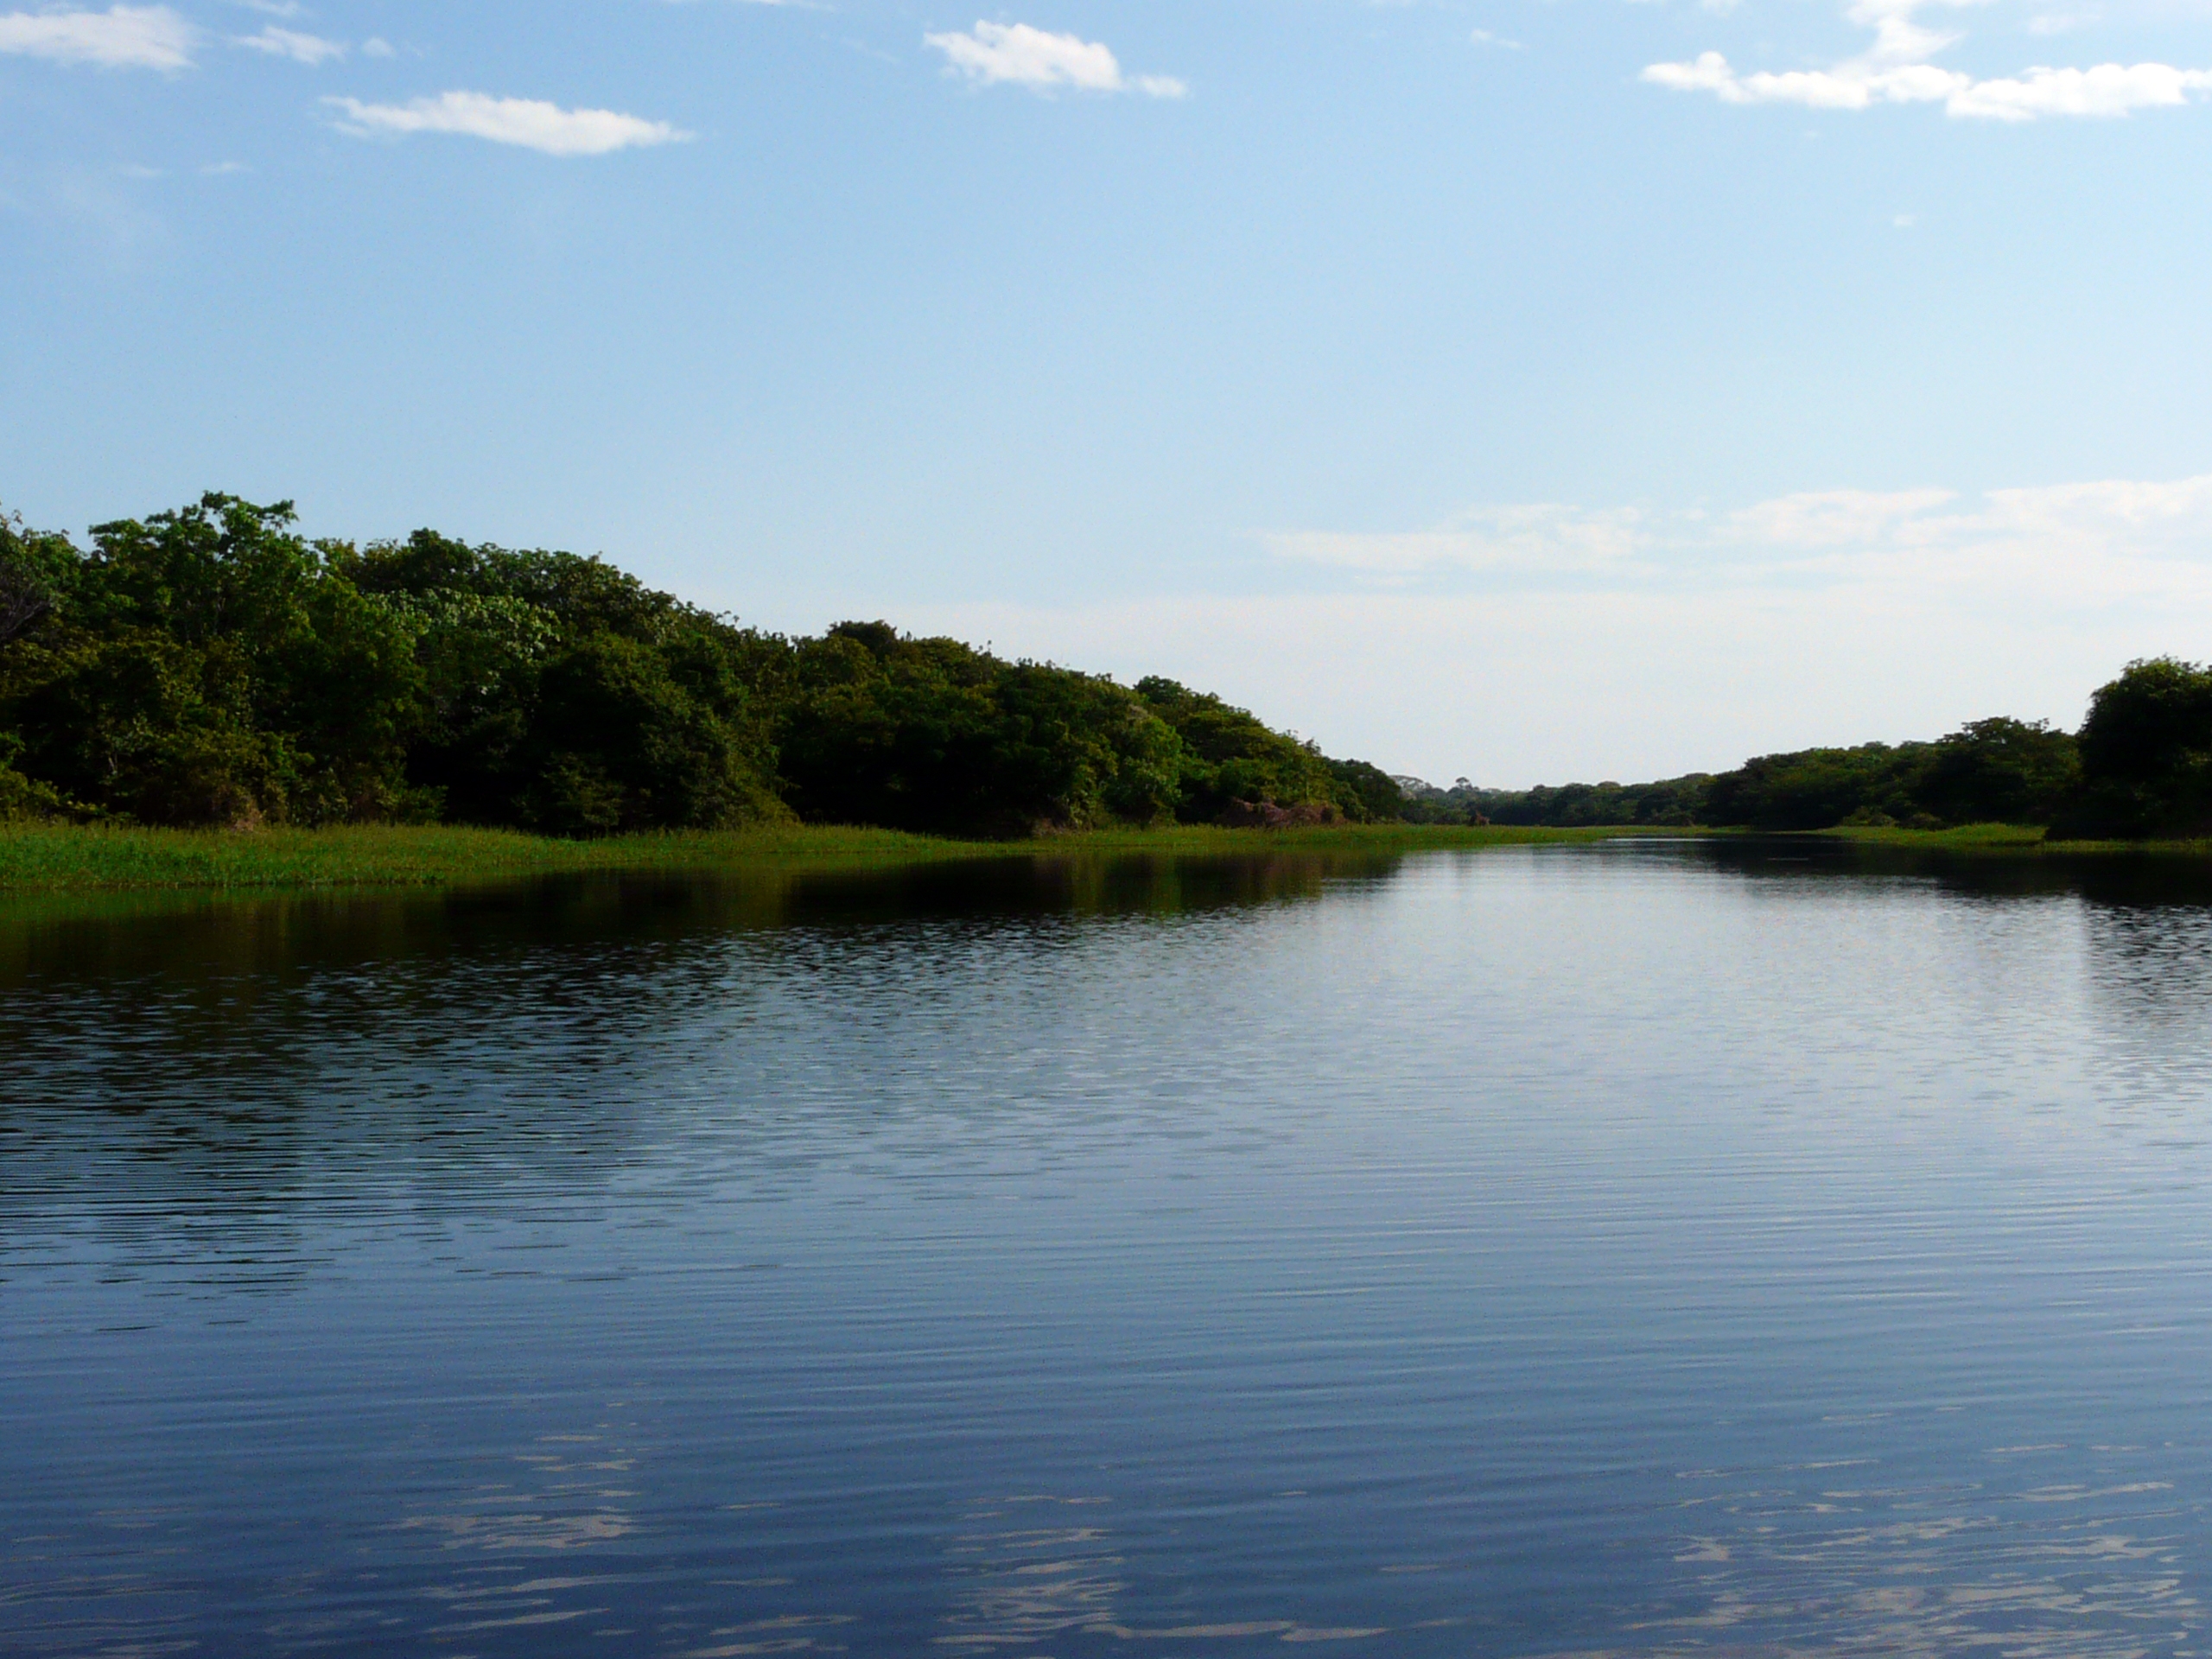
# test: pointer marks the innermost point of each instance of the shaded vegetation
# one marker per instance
(211, 667)
(2147, 756)
(1996, 770)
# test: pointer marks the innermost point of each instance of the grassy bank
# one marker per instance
(2007, 838)
(1965, 837)
(52, 858)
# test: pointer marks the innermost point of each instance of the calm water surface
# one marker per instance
(1636, 1249)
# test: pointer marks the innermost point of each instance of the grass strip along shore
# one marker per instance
(57, 858)
(36, 857)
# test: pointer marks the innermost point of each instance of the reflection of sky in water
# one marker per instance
(1643, 1251)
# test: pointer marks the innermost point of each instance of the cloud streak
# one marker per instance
(1016, 55)
(310, 49)
(527, 123)
(1538, 643)
(1895, 69)
(2139, 538)
(122, 37)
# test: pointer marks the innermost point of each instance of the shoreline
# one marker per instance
(57, 858)
(48, 858)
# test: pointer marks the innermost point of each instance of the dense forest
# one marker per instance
(211, 666)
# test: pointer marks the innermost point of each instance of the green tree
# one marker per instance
(207, 666)
(931, 734)
(562, 695)
(1230, 756)
(2001, 771)
(2147, 755)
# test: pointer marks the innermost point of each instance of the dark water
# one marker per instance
(1636, 1249)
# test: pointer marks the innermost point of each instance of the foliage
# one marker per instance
(211, 667)
(1815, 788)
(2147, 755)
(1987, 771)
(1229, 756)
(1671, 802)
(557, 693)
(929, 735)
(33, 567)
(206, 666)
(2001, 771)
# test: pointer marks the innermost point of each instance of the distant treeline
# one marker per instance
(210, 666)
(2141, 766)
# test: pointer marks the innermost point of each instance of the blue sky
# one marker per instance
(1521, 388)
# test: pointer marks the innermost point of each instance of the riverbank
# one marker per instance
(60, 858)
(2003, 838)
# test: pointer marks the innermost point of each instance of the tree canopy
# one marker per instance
(210, 666)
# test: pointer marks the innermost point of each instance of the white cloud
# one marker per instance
(2108, 89)
(1017, 54)
(528, 122)
(375, 47)
(1895, 69)
(135, 37)
(1537, 536)
(1548, 643)
(2138, 538)
(290, 43)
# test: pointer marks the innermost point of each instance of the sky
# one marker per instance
(1521, 390)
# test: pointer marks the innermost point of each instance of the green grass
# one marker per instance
(2007, 838)
(35, 857)
(1975, 837)
(59, 858)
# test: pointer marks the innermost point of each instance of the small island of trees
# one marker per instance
(210, 666)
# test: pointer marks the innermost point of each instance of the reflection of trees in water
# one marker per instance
(220, 1084)
(2153, 962)
(2149, 989)
(2149, 880)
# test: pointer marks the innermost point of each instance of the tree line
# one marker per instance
(2140, 767)
(211, 666)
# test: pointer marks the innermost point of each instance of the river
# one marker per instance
(1649, 1248)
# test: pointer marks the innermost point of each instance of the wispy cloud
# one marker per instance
(1895, 69)
(1540, 643)
(1018, 55)
(1535, 535)
(528, 123)
(2148, 530)
(133, 37)
(290, 43)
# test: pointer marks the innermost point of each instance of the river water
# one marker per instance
(1639, 1249)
